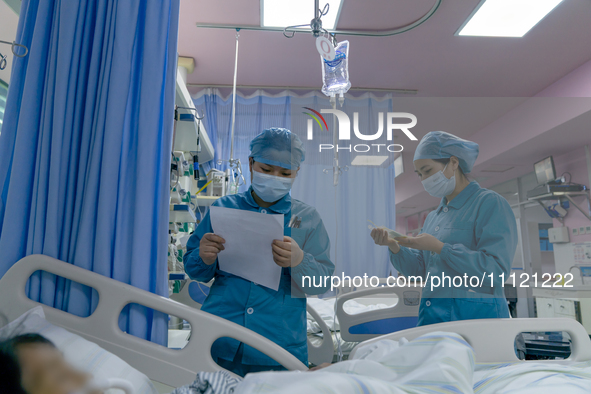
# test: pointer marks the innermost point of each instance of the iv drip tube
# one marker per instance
(234, 99)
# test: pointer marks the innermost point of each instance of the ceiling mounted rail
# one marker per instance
(313, 29)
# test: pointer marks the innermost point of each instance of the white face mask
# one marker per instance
(438, 185)
(270, 188)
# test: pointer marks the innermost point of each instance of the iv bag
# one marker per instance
(335, 73)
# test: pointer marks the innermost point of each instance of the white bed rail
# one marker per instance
(169, 366)
(493, 339)
(184, 297)
(325, 352)
(403, 308)
(316, 354)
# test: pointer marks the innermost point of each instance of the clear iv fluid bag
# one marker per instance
(335, 73)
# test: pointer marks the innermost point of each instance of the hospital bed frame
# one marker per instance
(493, 339)
(171, 367)
(316, 354)
(406, 307)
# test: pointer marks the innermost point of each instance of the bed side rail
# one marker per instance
(406, 307)
(169, 366)
(493, 339)
(325, 352)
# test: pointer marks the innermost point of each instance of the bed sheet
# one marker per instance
(533, 377)
(220, 382)
(434, 363)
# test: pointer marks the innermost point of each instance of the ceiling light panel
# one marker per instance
(283, 13)
(360, 160)
(506, 18)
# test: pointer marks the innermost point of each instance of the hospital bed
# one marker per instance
(171, 367)
(376, 311)
(361, 315)
(320, 350)
(492, 340)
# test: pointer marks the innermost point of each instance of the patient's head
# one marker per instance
(33, 365)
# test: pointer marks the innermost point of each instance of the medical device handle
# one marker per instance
(493, 340)
(401, 309)
(173, 367)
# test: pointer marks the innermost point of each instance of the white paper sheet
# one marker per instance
(248, 236)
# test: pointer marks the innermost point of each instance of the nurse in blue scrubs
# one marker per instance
(275, 158)
(472, 232)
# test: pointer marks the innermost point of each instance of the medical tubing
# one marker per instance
(234, 98)
(336, 242)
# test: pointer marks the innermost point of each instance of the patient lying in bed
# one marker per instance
(435, 362)
(31, 364)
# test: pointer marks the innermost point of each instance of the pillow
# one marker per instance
(79, 352)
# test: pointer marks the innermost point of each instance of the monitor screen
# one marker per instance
(545, 171)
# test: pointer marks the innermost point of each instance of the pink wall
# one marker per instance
(412, 222)
(575, 163)
(575, 84)
(400, 224)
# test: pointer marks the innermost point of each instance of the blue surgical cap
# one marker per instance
(442, 145)
(278, 147)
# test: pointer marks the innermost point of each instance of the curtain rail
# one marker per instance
(218, 86)
(364, 33)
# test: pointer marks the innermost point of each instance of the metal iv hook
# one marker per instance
(14, 44)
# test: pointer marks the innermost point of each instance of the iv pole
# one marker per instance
(234, 163)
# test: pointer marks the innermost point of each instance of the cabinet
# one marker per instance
(558, 307)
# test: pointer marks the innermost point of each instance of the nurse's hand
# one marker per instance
(422, 242)
(209, 247)
(380, 237)
(287, 253)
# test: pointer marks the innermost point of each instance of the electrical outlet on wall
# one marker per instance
(582, 230)
(575, 231)
(588, 229)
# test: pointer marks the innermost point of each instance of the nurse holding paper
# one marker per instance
(279, 315)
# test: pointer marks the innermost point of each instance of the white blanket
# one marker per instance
(533, 377)
(434, 363)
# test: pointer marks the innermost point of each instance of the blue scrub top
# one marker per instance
(479, 232)
(276, 315)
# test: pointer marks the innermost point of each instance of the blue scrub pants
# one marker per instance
(241, 369)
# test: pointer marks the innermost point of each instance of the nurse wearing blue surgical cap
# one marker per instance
(472, 233)
(275, 158)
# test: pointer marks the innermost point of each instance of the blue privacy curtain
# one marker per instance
(253, 114)
(85, 148)
(362, 193)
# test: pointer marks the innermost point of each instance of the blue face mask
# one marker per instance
(270, 188)
(438, 185)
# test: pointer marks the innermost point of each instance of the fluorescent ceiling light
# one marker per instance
(283, 13)
(368, 160)
(506, 18)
